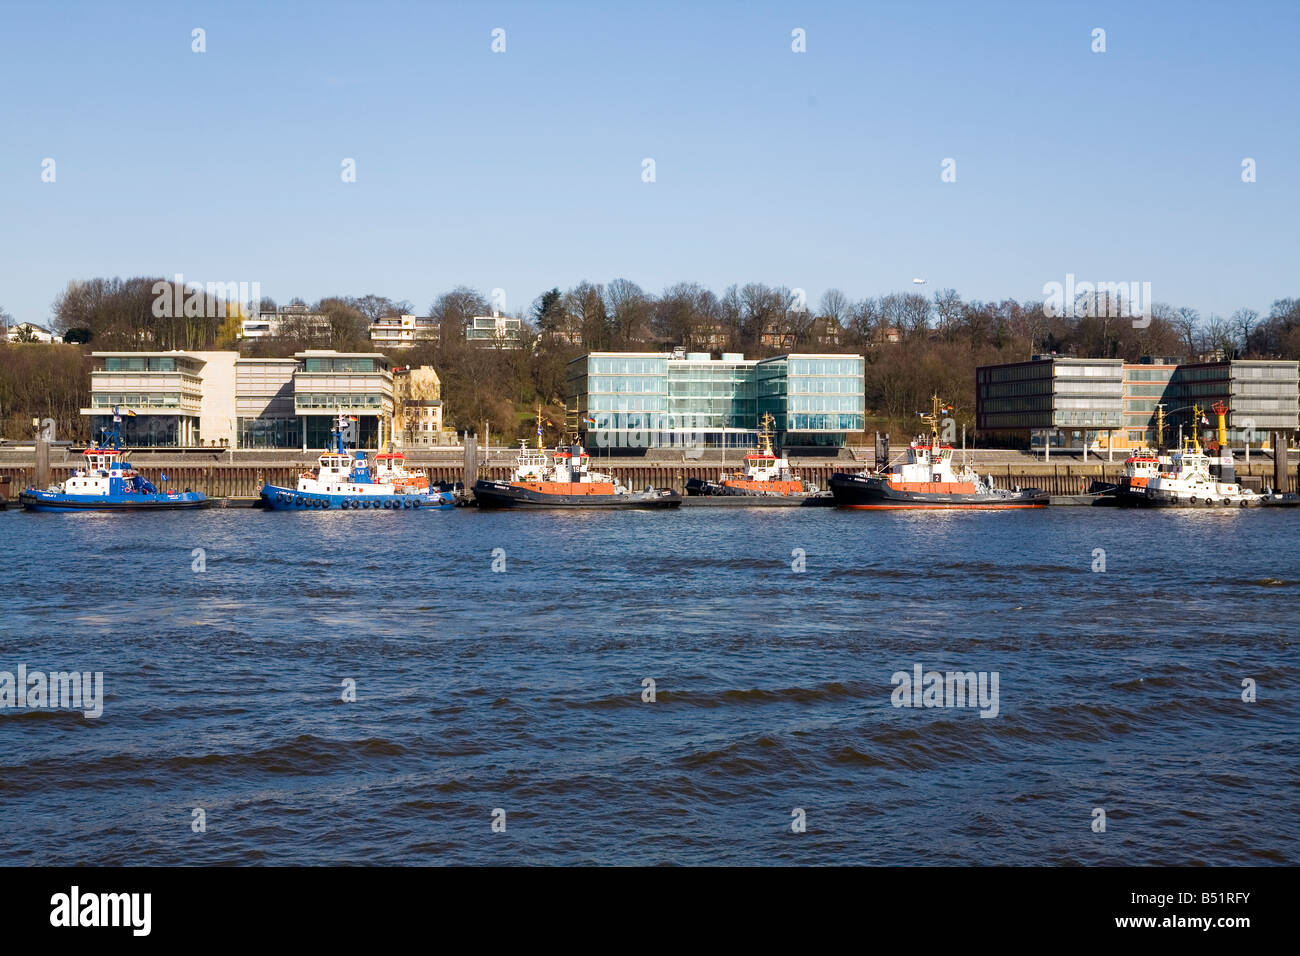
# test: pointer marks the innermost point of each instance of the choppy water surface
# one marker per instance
(522, 689)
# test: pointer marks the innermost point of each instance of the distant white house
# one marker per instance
(402, 331)
(502, 331)
(299, 318)
(31, 332)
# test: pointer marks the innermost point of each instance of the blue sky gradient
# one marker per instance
(522, 170)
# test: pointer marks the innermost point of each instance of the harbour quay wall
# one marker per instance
(243, 479)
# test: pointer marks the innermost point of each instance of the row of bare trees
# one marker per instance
(913, 344)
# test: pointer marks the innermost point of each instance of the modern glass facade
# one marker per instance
(1080, 397)
(1261, 396)
(270, 432)
(164, 390)
(141, 363)
(317, 429)
(179, 398)
(264, 404)
(815, 400)
(1073, 395)
(149, 431)
(657, 400)
(359, 385)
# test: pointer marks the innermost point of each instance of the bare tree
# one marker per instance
(835, 305)
(1218, 336)
(455, 309)
(1243, 324)
(1187, 322)
(628, 310)
(586, 303)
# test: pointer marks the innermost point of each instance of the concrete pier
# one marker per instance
(242, 479)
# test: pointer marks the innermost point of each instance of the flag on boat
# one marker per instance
(1204, 420)
(591, 421)
(539, 429)
(163, 477)
(353, 418)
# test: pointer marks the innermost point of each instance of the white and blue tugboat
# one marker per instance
(108, 483)
(348, 483)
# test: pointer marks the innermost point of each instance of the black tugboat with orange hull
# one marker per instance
(564, 479)
(927, 480)
(766, 474)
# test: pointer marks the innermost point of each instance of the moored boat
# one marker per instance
(766, 473)
(1193, 479)
(1131, 489)
(564, 479)
(347, 482)
(107, 482)
(927, 480)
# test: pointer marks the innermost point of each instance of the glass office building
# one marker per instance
(1114, 404)
(1069, 398)
(1146, 385)
(220, 399)
(265, 405)
(159, 397)
(814, 399)
(1261, 395)
(690, 400)
(358, 385)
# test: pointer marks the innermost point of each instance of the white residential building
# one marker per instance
(31, 332)
(402, 331)
(297, 319)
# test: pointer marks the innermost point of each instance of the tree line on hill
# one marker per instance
(913, 344)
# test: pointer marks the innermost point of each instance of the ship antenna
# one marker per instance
(933, 421)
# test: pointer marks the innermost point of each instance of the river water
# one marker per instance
(500, 664)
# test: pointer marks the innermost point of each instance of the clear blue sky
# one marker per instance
(522, 170)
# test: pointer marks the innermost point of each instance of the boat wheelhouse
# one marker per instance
(390, 467)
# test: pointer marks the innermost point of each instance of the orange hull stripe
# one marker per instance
(935, 487)
(567, 487)
(937, 507)
(782, 487)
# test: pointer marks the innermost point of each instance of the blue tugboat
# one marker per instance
(108, 483)
(347, 483)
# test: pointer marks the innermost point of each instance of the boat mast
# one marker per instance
(765, 434)
(933, 421)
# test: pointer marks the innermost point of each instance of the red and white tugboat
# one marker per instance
(927, 480)
(390, 468)
(564, 479)
(765, 474)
